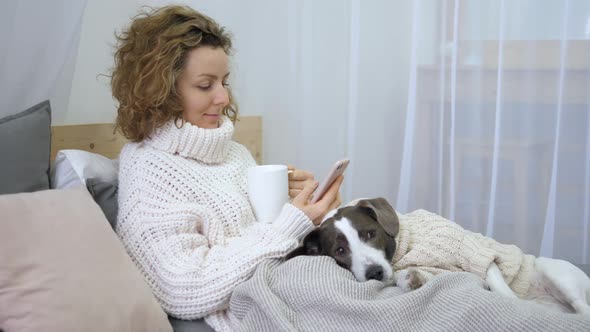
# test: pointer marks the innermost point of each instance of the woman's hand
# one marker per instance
(297, 180)
(317, 211)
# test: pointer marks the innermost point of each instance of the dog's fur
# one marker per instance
(361, 238)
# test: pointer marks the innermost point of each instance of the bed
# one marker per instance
(303, 294)
(457, 301)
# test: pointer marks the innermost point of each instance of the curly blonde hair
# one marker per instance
(150, 55)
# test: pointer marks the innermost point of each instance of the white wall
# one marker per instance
(90, 100)
(38, 43)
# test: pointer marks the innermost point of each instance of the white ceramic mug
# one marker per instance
(268, 190)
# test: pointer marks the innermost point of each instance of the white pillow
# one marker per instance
(73, 167)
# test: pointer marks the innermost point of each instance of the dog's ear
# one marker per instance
(311, 246)
(383, 212)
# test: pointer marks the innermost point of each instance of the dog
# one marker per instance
(361, 238)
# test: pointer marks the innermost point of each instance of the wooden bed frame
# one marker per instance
(101, 138)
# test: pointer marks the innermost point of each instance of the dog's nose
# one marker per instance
(374, 272)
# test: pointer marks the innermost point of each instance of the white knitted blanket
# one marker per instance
(314, 294)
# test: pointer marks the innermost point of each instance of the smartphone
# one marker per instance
(335, 172)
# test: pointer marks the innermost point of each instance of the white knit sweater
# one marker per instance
(185, 219)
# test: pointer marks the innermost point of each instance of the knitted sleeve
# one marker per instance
(183, 253)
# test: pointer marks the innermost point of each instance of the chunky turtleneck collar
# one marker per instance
(207, 145)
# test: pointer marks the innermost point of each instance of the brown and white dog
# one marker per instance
(361, 238)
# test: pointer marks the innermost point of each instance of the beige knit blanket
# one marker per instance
(314, 294)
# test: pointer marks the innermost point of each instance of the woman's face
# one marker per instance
(202, 85)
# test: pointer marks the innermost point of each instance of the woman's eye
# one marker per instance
(225, 84)
(340, 251)
(204, 87)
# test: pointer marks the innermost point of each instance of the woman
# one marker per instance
(184, 215)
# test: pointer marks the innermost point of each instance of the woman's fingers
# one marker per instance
(299, 175)
(336, 203)
(294, 192)
(303, 196)
(301, 188)
(297, 180)
(333, 192)
(296, 185)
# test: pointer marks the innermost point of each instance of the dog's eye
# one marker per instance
(340, 251)
(370, 235)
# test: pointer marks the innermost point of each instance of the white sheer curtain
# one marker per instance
(496, 131)
(39, 45)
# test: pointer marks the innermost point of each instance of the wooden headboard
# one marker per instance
(100, 138)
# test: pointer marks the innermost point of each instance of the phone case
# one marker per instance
(337, 169)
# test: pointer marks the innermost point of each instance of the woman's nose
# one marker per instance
(221, 96)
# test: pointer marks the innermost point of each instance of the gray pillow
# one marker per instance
(104, 194)
(197, 325)
(25, 147)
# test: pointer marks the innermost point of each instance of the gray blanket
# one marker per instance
(314, 294)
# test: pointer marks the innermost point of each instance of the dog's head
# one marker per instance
(360, 237)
